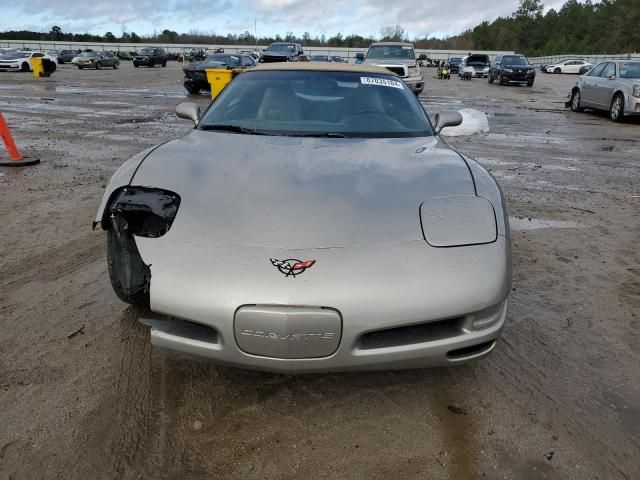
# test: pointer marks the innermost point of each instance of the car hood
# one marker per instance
(391, 61)
(301, 193)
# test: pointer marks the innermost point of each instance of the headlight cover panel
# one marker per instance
(457, 221)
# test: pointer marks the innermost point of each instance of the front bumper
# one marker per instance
(10, 66)
(514, 77)
(393, 314)
(415, 83)
(631, 105)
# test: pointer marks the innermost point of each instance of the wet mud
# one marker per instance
(83, 394)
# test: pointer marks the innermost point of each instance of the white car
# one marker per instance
(567, 66)
(21, 61)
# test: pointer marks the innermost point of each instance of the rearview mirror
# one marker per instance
(447, 119)
(188, 111)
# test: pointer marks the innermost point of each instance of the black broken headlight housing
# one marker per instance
(142, 211)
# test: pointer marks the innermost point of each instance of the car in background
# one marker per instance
(612, 86)
(454, 64)
(512, 68)
(338, 58)
(63, 56)
(96, 60)
(320, 58)
(399, 58)
(477, 65)
(196, 229)
(572, 65)
(21, 61)
(282, 52)
(149, 57)
(126, 56)
(196, 76)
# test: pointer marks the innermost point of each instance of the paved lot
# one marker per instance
(559, 398)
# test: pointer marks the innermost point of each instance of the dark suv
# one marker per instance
(506, 69)
(150, 56)
(282, 52)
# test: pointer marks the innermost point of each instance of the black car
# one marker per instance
(196, 76)
(454, 64)
(506, 69)
(150, 56)
(282, 52)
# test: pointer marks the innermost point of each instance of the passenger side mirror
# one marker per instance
(447, 119)
(360, 56)
(188, 111)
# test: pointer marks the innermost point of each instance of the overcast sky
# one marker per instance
(365, 17)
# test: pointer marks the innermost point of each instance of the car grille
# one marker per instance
(411, 334)
(398, 70)
(266, 59)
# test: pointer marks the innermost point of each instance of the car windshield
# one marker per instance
(455, 60)
(317, 103)
(280, 48)
(15, 55)
(390, 51)
(221, 59)
(514, 60)
(146, 51)
(629, 69)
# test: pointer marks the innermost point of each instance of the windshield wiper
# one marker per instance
(320, 135)
(232, 128)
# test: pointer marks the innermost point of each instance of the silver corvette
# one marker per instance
(313, 220)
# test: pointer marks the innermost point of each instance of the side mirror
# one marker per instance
(188, 111)
(447, 119)
(360, 56)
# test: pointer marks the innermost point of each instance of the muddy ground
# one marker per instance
(559, 398)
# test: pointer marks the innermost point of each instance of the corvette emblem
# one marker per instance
(291, 266)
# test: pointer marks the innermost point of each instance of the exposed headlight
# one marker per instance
(636, 90)
(414, 71)
(143, 211)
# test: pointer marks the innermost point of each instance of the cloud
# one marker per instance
(364, 17)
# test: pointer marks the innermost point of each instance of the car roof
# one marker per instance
(404, 44)
(322, 67)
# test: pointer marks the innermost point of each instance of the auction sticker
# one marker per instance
(381, 82)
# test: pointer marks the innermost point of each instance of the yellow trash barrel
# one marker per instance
(218, 79)
(38, 68)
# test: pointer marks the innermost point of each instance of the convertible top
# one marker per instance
(322, 67)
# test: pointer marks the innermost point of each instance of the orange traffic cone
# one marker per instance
(14, 153)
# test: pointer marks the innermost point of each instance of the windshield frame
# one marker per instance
(524, 62)
(428, 130)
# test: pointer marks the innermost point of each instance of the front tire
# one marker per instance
(530, 83)
(500, 80)
(116, 65)
(120, 259)
(24, 67)
(616, 111)
(136, 65)
(557, 70)
(490, 79)
(164, 64)
(575, 102)
(98, 65)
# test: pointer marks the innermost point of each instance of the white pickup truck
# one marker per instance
(400, 58)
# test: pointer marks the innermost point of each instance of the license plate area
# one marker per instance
(287, 331)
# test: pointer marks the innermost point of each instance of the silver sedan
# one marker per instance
(613, 86)
(313, 220)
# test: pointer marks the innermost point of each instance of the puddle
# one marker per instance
(539, 224)
(177, 92)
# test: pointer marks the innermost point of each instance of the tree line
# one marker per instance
(610, 26)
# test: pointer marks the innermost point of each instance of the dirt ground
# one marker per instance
(559, 398)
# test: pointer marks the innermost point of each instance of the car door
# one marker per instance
(589, 83)
(606, 86)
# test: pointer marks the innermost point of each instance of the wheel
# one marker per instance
(575, 102)
(164, 64)
(116, 65)
(98, 65)
(136, 65)
(80, 68)
(192, 88)
(616, 112)
(489, 78)
(557, 70)
(500, 79)
(530, 83)
(24, 67)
